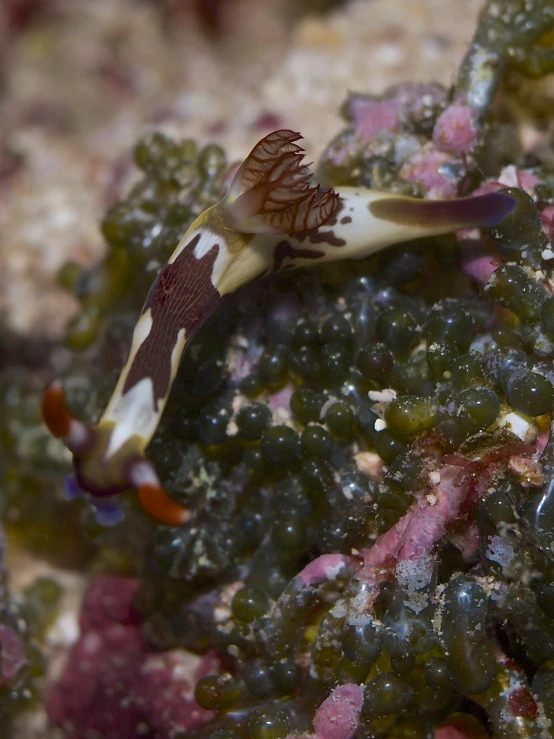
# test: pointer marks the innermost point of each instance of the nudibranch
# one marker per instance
(271, 219)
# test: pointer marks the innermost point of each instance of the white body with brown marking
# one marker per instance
(271, 220)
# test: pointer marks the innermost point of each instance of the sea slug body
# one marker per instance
(271, 219)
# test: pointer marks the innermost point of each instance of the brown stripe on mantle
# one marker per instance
(181, 298)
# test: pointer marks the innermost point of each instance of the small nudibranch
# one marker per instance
(271, 219)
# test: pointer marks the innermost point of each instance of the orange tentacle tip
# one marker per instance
(54, 410)
(157, 503)
(152, 497)
(77, 435)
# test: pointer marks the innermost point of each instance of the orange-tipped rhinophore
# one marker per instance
(160, 506)
(54, 410)
(101, 474)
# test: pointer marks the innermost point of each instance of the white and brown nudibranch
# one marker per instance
(270, 220)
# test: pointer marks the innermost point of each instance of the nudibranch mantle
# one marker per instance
(270, 220)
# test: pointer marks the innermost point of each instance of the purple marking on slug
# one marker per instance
(482, 210)
(107, 514)
(71, 489)
(181, 298)
(284, 249)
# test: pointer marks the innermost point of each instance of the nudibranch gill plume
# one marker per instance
(271, 219)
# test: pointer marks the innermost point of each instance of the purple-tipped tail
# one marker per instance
(495, 206)
(483, 211)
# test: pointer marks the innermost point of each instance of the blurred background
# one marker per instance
(80, 81)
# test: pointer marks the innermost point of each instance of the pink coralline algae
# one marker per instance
(422, 149)
(435, 167)
(326, 567)
(12, 655)
(424, 169)
(412, 538)
(114, 686)
(402, 104)
(372, 117)
(389, 125)
(406, 549)
(456, 129)
(460, 726)
(338, 715)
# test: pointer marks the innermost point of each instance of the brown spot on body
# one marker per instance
(284, 249)
(321, 237)
(181, 298)
(345, 219)
(326, 237)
